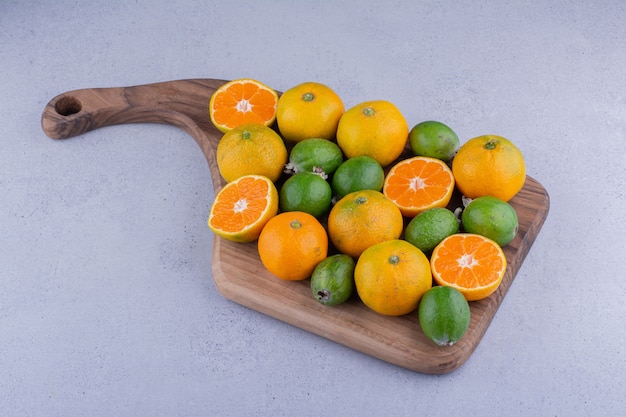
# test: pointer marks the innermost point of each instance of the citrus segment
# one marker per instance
(242, 207)
(292, 244)
(418, 184)
(473, 264)
(242, 101)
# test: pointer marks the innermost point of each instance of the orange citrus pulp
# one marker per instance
(418, 184)
(242, 207)
(473, 264)
(243, 101)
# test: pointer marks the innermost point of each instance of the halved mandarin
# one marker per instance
(473, 264)
(242, 207)
(419, 183)
(242, 101)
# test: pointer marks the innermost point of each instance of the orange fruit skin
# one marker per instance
(362, 219)
(419, 183)
(391, 277)
(489, 165)
(373, 128)
(241, 208)
(251, 149)
(309, 110)
(471, 263)
(242, 101)
(292, 244)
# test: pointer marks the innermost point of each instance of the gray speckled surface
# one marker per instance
(107, 305)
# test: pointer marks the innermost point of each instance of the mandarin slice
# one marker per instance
(471, 263)
(242, 101)
(242, 208)
(419, 183)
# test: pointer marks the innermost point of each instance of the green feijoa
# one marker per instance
(491, 217)
(444, 315)
(430, 227)
(434, 139)
(332, 281)
(320, 156)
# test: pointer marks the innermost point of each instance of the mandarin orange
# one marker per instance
(362, 219)
(251, 148)
(391, 277)
(292, 244)
(489, 165)
(374, 128)
(308, 110)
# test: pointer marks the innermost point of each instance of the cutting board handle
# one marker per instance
(76, 112)
(182, 103)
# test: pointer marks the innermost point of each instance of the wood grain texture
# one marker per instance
(237, 271)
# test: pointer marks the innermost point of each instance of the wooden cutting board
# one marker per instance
(237, 271)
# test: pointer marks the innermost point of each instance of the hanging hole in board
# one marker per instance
(68, 105)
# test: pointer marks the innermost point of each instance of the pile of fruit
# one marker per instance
(359, 204)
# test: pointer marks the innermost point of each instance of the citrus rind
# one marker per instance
(243, 105)
(251, 231)
(461, 265)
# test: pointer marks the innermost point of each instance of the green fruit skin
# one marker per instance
(356, 174)
(434, 139)
(430, 227)
(332, 282)
(315, 155)
(306, 191)
(491, 217)
(444, 315)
